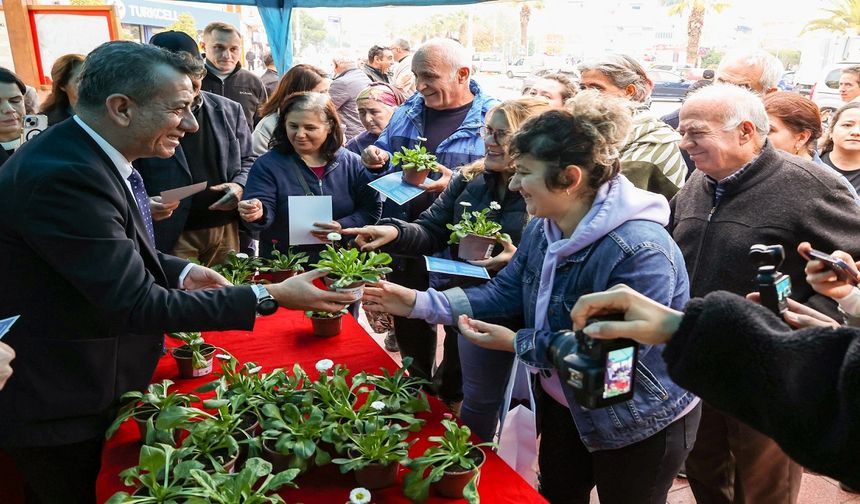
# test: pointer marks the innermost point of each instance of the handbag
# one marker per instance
(518, 445)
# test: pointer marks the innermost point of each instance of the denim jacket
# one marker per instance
(638, 253)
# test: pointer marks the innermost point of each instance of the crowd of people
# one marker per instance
(595, 192)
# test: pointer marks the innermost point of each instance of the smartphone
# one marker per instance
(845, 272)
(33, 125)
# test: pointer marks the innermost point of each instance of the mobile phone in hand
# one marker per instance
(845, 272)
(227, 202)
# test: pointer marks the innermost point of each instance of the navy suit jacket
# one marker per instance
(233, 153)
(94, 296)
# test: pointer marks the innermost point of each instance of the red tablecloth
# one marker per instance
(280, 341)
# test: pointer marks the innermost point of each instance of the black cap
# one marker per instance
(176, 41)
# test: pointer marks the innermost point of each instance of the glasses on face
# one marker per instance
(500, 137)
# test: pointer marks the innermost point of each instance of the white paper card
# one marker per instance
(179, 193)
(394, 188)
(449, 267)
(6, 324)
(304, 211)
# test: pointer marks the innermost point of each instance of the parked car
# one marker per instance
(523, 67)
(668, 85)
(488, 62)
(825, 91)
(786, 83)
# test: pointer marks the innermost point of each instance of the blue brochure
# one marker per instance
(394, 188)
(460, 268)
(5, 324)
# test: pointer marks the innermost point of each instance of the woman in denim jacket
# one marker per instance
(593, 229)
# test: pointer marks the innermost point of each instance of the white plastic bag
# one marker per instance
(518, 444)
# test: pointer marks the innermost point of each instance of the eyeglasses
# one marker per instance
(500, 137)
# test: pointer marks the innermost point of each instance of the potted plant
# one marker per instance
(326, 324)
(415, 163)
(251, 485)
(401, 393)
(194, 358)
(374, 451)
(476, 234)
(147, 407)
(238, 268)
(290, 437)
(350, 269)
(285, 265)
(453, 463)
(160, 476)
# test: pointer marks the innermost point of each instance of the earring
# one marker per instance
(796, 150)
(567, 191)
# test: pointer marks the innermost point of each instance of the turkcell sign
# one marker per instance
(150, 13)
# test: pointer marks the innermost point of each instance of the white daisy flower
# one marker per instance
(465, 203)
(377, 405)
(494, 205)
(359, 496)
(333, 236)
(223, 357)
(422, 139)
(242, 255)
(255, 370)
(324, 365)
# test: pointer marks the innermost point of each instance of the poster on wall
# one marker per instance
(59, 30)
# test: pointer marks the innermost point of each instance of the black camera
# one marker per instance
(773, 287)
(601, 372)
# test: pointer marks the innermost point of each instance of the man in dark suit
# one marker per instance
(79, 267)
(206, 225)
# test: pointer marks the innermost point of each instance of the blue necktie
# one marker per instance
(139, 192)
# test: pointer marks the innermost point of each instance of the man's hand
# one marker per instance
(821, 278)
(374, 158)
(232, 195)
(159, 210)
(497, 262)
(387, 297)
(324, 228)
(372, 237)
(201, 277)
(7, 355)
(490, 336)
(437, 186)
(645, 320)
(799, 315)
(251, 210)
(299, 293)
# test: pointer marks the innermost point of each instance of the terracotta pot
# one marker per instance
(141, 424)
(280, 276)
(279, 461)
(183, 361)
(453, 482)
(227, 466)
(325, 327)
(376, 476)
(473, 247)
(415, 177)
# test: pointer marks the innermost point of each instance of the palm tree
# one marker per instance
(695, 21)
(525, 16)
(844, 16)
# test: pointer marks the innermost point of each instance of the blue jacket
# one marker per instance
(638, 253)
(461, 148)
(273, 179)
(233, 154)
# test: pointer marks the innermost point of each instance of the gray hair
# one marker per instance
(402, 44)
(452, 53)
(737, 104)
(623, 71)
(131, 69)
(771, 68)
(345, 58)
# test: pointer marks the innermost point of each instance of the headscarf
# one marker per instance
(382, 93)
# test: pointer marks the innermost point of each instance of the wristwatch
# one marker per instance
(266, 304)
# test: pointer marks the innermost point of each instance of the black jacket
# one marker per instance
(801, 388)
(428, 234)
(94, 296)
(240, 86)
(233, 152)
(778, 199)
